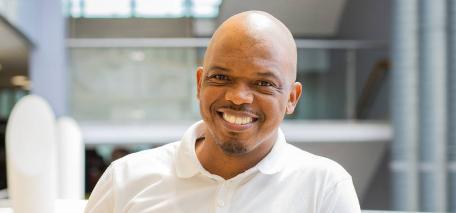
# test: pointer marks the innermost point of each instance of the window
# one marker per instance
(205, 8)
(143, 8)
(154, 8)
(106, 8)
(74, 8)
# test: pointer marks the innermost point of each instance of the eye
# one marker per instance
(264, 84)
(220, 77)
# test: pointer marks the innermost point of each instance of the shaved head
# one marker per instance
(252, 29)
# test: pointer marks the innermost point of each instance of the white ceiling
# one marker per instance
(303, 17)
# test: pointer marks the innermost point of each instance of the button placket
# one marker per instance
(221, 195)
(221, 200)
(220, 203)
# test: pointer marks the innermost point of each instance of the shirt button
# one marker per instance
(220, 203)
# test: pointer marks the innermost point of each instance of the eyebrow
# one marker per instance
(268, 74)
(265, 74)
(215, 67)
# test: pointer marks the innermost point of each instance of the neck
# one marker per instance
(217, 162)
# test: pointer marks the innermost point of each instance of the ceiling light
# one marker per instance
(19, 80)
(137, 56)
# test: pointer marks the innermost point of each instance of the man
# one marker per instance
(236, 159)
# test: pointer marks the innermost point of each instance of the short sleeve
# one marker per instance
(101, 199)
(341, 198)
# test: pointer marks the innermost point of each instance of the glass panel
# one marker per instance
(144, 84)
(107, 8)
(313, 60)
(133, 84)
(157, 8)
(5, 103)
(322, 75)
(8, 98)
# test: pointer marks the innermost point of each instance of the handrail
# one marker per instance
(202, 42)
(160, 132)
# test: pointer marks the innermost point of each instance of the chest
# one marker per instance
(257, 194)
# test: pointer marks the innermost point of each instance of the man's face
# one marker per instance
(243, 90)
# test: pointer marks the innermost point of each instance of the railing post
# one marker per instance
(350, 84)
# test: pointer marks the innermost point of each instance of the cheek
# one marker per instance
(204, 103)
(207, 98)
(274, 108)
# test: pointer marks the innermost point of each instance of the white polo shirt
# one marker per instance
(171, 179)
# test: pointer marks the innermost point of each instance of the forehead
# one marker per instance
(247, 53)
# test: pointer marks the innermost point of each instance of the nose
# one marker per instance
(239, 94)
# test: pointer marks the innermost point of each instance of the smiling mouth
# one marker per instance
(238, 119)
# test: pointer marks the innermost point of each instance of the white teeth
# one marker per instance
(237, 120)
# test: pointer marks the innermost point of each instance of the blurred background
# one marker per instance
(379, 82)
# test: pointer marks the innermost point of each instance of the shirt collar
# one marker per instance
(274, 160)
(188, 165)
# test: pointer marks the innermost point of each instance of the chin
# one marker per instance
(233, 148)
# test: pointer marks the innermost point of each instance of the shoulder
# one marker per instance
(127, 176)
(157, 159)
(318, 168)
(325, 179)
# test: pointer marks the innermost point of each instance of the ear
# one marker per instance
(295, 94)
(199, 80)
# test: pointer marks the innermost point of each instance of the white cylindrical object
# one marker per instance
(70, 159)
(31, 156)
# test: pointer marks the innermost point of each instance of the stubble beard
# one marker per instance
(233, 148)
